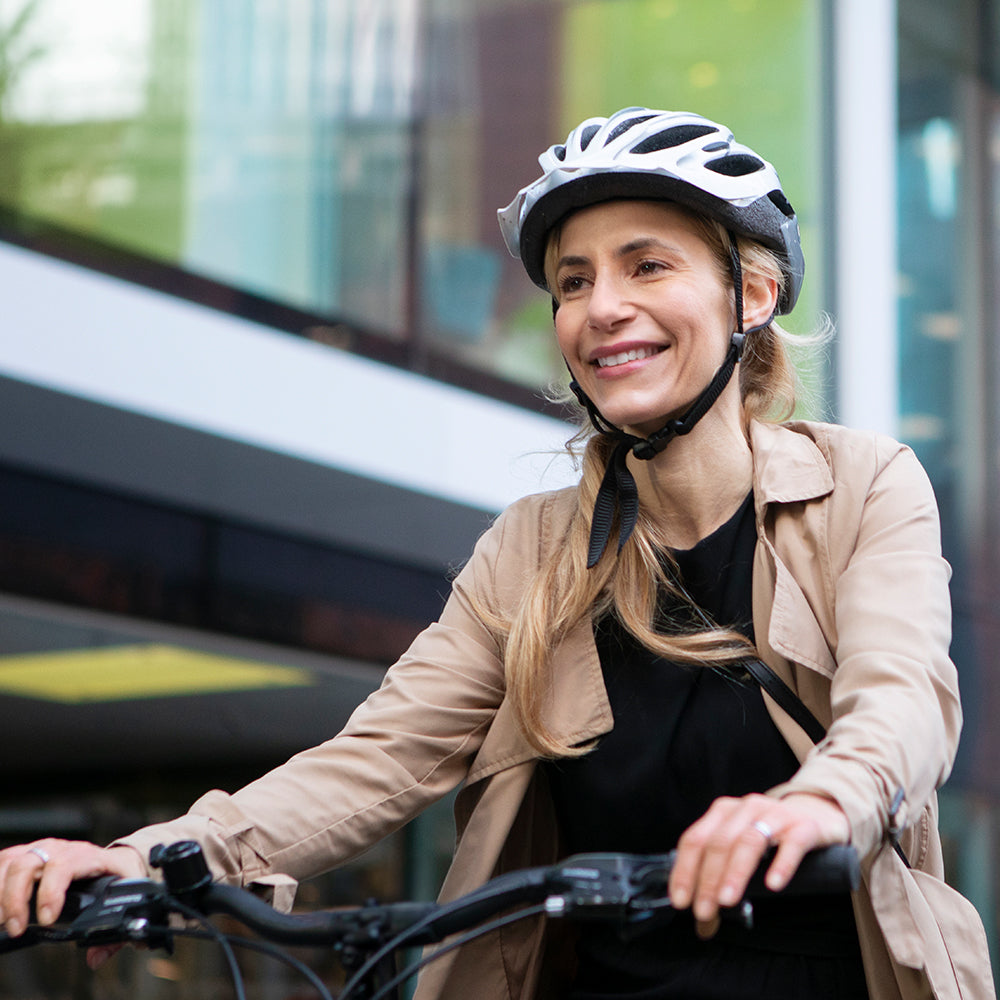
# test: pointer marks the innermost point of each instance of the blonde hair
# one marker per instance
(631, 583)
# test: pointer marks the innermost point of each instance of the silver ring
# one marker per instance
(764, 830)
(43, 854)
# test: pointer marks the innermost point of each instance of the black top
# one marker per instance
(682, 737)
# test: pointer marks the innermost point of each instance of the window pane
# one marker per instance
(347, 159)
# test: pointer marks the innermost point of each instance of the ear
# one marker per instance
(760, 299)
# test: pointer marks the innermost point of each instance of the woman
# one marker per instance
(586, 682)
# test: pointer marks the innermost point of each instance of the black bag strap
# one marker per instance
(795, 707)
(786, 698)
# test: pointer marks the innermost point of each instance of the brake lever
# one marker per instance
(591, 882)
(588, 886)
(110, 911)
(651, 880)
(594, 883)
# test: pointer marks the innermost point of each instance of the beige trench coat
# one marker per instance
(851, 607)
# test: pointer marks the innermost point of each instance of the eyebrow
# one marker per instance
(643, 243)
(639, 243)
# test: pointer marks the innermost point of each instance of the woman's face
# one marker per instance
(645, 317)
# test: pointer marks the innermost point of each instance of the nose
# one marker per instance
(608, 304)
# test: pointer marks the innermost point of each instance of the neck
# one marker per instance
(699, 480)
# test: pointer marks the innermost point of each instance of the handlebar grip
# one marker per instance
(825, 870)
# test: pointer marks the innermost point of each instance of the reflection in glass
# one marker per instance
(347, 159)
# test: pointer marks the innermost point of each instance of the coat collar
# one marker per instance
(789, 464)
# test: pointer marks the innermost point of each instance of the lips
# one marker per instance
(623, 357)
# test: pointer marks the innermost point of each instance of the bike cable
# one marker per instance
(414, 967)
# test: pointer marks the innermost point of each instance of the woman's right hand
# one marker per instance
(52, 865)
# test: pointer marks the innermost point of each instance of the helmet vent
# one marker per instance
(781, 202)
(587, 134)
(675, 136)
(736, 166)
(622, 127)
(559, 152)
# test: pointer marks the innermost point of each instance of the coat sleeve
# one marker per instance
(406, 746)
(894, 693)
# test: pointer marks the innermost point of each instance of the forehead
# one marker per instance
(621, 221)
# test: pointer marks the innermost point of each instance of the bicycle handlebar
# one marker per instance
(620, 888)
(585, 886)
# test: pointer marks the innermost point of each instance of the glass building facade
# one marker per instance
(306, 190)
(347, 159)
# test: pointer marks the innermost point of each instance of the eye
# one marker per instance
(570, 283)
(649, 268)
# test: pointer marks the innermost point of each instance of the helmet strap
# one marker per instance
(736, 271)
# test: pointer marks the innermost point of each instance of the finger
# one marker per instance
(98, 955)
(691, 850)
(23, 870)
(730, 858)
(746, 854)
(5, 859)
(706, 929)
(791, 851)
(815, 821)
(687, 864)
(53, 882)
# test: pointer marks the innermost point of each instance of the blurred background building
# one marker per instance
(266, 370)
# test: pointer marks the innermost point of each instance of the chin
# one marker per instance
(638, 420)
(646, 430)
(645, 424)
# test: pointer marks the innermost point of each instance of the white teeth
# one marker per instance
(625, 356)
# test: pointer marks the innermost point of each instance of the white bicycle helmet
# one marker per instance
(643, 153)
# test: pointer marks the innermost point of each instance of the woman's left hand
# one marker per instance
(717, 855)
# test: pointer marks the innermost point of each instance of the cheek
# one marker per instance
(726, 308)
(716, 321)
(563, 331)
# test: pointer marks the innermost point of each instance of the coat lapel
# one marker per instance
(576, 709)
(790, 471)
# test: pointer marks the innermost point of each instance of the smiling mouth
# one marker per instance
(620, 359)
